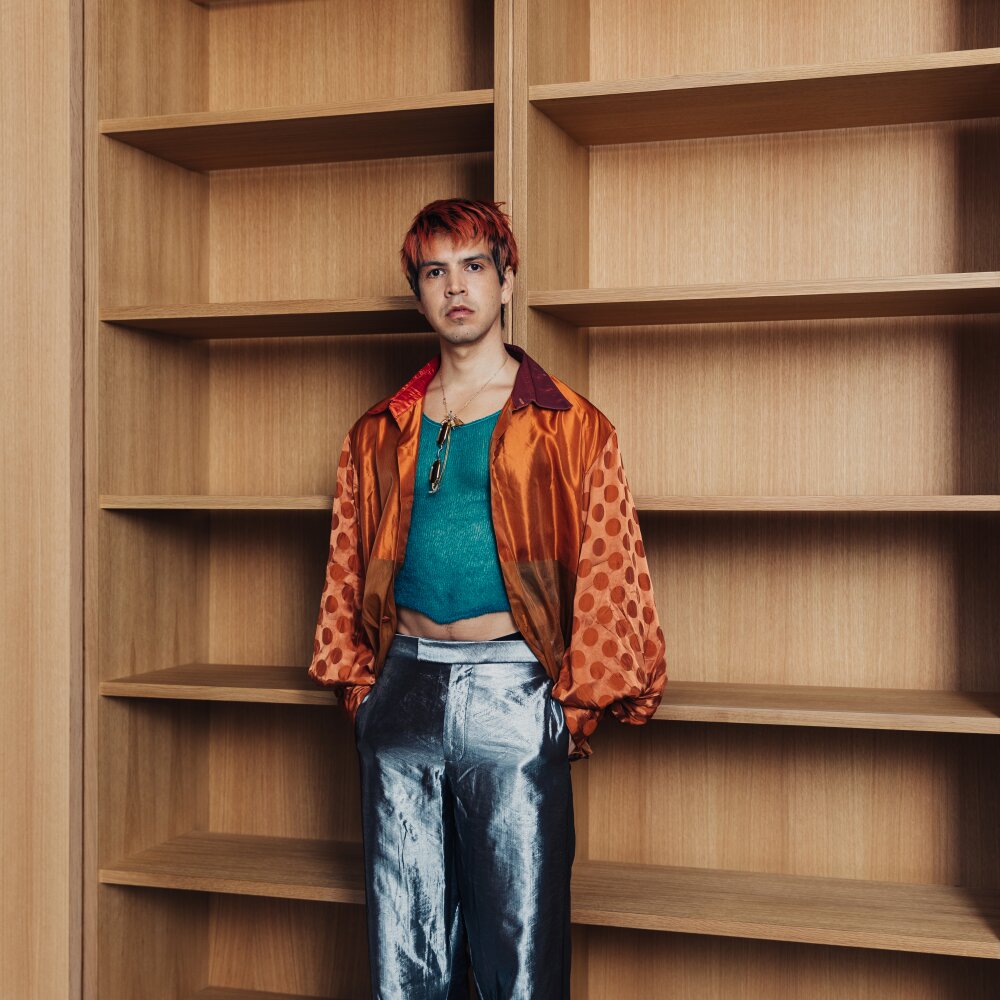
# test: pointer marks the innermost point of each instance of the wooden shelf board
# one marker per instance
(855, 503)
(292, 318)
(839, 707)
(456, 122)
(907, 295)
(831, 504)
(748, 302)
(937, 86)
(936, 919)
(201, 501)
(687, 701)
(933, 919)
(275, 867)
(227, 682)
(234, 993)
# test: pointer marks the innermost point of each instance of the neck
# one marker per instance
(469, 366)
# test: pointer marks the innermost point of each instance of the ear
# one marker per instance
(507, 288)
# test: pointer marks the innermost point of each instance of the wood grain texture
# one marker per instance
(908, 807)
(824, 459)
(843, 504)
(389, 127)
(170, 419)
(42, 304)
(633, 39)
(933, 919)
(887, 601)
(297, 318)
(944, 920)
(685, 701)
(814, 813)
(823, 504)
(894, 409)
(663, 966)
(161, 501)
(933, 87)
(227, 993)
(836, 707)
(177, 57)
(749, 302)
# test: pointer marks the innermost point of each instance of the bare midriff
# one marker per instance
(409, 621)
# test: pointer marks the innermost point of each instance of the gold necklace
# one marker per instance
(453, 417)
(444, 434)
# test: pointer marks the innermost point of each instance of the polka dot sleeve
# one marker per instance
(342, 657)
(616, 657)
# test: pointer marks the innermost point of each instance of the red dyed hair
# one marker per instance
(465, 221)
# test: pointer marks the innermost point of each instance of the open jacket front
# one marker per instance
(568, 540)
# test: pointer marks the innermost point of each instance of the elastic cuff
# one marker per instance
(636, 711)
(351, 697)
(581, 723)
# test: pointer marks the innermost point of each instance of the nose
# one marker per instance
(456, 282)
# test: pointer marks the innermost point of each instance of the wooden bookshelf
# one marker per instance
(251, 169)
(225, 993)
(685, 701)
(982, 503)
(267, 137)
(303, 318)
(936, 86)
(773, 264)
(234, 503)
(762, 239)
(911, 295)
(838, 707)
(932, 919)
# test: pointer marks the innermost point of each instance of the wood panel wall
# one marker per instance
(41, 455)
(762, 237)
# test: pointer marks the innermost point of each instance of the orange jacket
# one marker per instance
(568, 540)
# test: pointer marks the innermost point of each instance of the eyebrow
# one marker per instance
(465, 260)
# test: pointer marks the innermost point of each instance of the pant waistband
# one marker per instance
(461, 650)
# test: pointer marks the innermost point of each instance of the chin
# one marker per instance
(462, 335)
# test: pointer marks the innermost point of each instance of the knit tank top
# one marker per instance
(451, 569)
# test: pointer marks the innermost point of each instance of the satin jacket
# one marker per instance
(568, 541)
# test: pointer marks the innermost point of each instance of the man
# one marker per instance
(487, 598)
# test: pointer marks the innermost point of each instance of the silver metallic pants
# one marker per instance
(467, 819)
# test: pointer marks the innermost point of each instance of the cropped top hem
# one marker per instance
(451, 567)
(467, 612)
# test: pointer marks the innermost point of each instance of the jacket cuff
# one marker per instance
(636, 711)
(352, 695)
(581, 723)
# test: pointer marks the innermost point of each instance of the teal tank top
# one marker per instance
(451, 569)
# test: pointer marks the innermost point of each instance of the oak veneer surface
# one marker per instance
(230, 993)
(312, 317)
(931, 87)
(391, 127)
(692, 701)
(820, 504)
(746, 829)
(853, 912)
(42, 233)
(907, 295)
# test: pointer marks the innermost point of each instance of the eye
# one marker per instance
(431, 271)
(476, 264)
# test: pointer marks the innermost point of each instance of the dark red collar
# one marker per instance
(532, 385)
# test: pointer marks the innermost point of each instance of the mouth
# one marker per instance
(458, 311)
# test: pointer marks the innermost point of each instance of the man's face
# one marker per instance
(460, 293)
